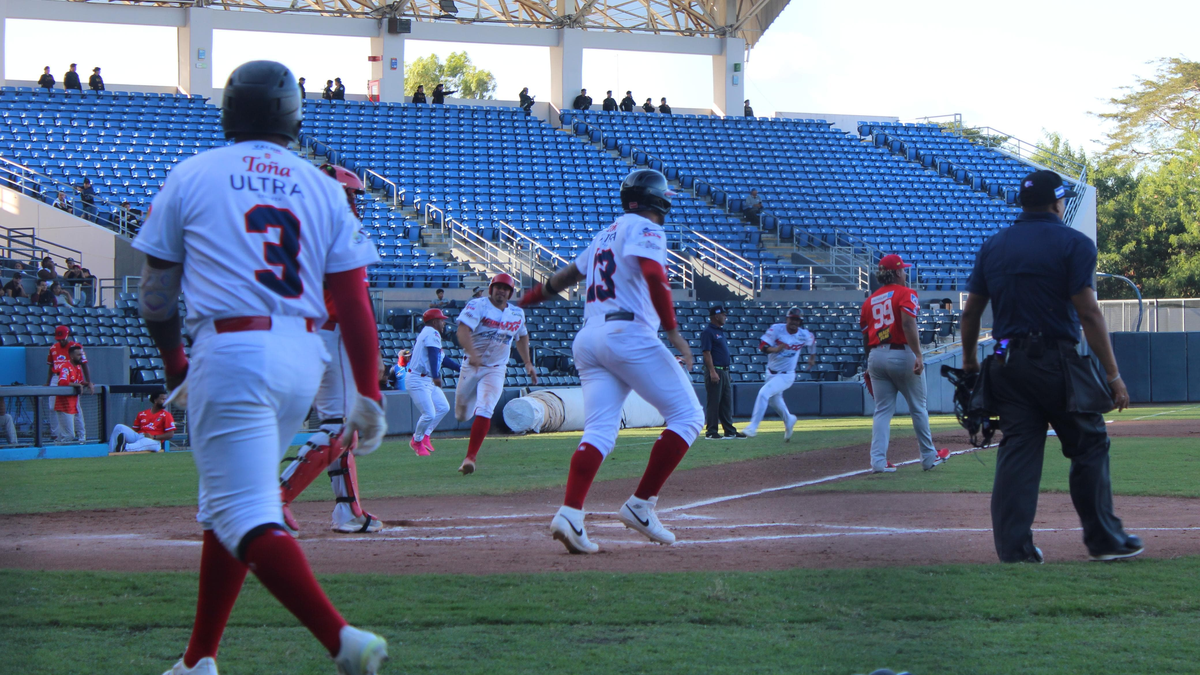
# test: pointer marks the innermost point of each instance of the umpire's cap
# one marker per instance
(262, 99)
(646, 190)
(1042, 188)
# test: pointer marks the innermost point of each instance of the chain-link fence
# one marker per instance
(39, 416)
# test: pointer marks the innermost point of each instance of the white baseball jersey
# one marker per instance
(615, 282)
(492, 330)
(420, 353)
(259, 227)
(785, 361)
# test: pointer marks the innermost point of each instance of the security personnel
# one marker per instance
(1038, 274)
(719, 389)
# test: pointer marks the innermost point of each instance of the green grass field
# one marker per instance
(984, 619)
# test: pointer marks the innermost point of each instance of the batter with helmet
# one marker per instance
(783, 343)
(249, 232)
(334, 397)
(487, 329)
(618, 350)
(424, 380)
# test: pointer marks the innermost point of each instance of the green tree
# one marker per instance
(1056, 153)
(1155, 115)
(457, 73)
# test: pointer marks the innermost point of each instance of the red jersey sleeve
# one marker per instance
(906, 300)
(168, 422)
(140, 422)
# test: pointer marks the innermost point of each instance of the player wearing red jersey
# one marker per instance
(59, 353)
(149, 430)
(69, 373)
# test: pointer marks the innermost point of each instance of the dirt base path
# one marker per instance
(722, 516)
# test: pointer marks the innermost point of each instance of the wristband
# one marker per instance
(1115, 378)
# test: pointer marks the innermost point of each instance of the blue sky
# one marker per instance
(1019, 66)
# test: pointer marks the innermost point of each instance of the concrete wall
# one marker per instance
(846, 123)
(98, 246)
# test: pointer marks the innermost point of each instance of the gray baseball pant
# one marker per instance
(891, 373)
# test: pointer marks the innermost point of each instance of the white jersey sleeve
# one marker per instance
(420, 352)
(493, 330)
(785, 361)
(162, 234)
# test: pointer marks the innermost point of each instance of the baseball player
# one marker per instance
(249, 232)
(782, 343)
(68, 373)
(618, 350)
(334, 396)
(487, 328)
(150, 429)
(60, 353)
(424, 380)
(894, 364)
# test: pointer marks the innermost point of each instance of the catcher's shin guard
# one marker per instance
(344, 477)
(314, 457)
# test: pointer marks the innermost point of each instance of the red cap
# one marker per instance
(503, 279)
(893, 262)
(433, 315)
(61, 332)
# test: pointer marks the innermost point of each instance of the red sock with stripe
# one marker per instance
(221, 577)
(584, 464)
(279, 563)
(479, 431)
(666, 454)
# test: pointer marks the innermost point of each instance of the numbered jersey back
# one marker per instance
(257, 228)
(880, 317)
(614, 276)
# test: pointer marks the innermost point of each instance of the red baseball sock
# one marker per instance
(584, 464)
(279, 563)
(221, 577)
(479, 431)
(666, 454)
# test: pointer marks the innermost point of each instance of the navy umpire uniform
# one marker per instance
(1038, 275)
(718, 408)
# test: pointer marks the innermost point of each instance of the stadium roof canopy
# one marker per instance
(747, 19)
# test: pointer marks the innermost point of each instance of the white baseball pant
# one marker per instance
(478, 391)
(614, 357)
(891, 373)
(10, 429)
(337, 382)
(771, 392)
(248, 394)
(52, 415)
(134, 442)
(430, 400)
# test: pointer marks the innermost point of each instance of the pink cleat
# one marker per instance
(419, 447)
(428, 442)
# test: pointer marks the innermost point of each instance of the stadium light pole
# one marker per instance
(1136, 291)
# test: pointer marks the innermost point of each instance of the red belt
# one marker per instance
(239, 324)
(330, 325)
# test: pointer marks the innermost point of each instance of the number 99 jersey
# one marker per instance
(615, 282)
(259, 227)
(880, 317)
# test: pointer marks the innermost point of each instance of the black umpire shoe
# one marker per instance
(714, 437)
(1133, 546)
(735, 434)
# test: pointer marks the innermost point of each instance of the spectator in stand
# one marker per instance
(663, 107)
(150, 429)
(477, 292)
(125, 219)
(947, 304)
(14, 288)
(300, 84)
(526, 101)
(627, 103)
(95, 82)
(748, 111)
(46, 81)
(648, 106)
(48, 271)
(441, 300)
(327, 94)
(582, 101)
(62, 203)
(57, 290)
(610, 103)
(753, 208)
(42, 296)
(71, 80)
(74, 271)
(419, 95)
(440, 94)
(66, 408)
(339, 89)
(6, 421)
(87, 194)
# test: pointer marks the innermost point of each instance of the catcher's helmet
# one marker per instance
(795, 312)
(503, 279)
(646, 190)
(350, 183)
(262, 98)
(433, 315)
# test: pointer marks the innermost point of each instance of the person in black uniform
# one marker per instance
(339, 89)
(582, 101)
(717, 385)
(440, 94)
(46, 81)
(327, 93)
(526, 101)
(648, 106)
(71, 80)
(95, 82)
(627, 103)
(610, 103)
(300, 84)
(419, 94)
(663, 107)
(1038, 275)
(747, 111)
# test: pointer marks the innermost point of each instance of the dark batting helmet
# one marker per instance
(795, 312)
(646, 190)
(262, 99)
(503, 279)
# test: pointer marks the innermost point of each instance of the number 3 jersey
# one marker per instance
(880, 317)
(615, 282)
(257, 229)
(492, 330)
(785, 361)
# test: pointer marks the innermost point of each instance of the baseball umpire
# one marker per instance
(1038, 275)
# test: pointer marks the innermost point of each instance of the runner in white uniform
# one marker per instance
(424, 380)
(487, 328)
(250, 231)
(783, 342)
(618, 350)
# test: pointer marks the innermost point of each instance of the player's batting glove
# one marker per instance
(179, 395)
(370, 421)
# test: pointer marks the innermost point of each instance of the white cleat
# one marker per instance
(363, 523)
(205, 666)
(638, 514)
(750, 431)
(361, 654)
(568, 528)
(788, 425)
